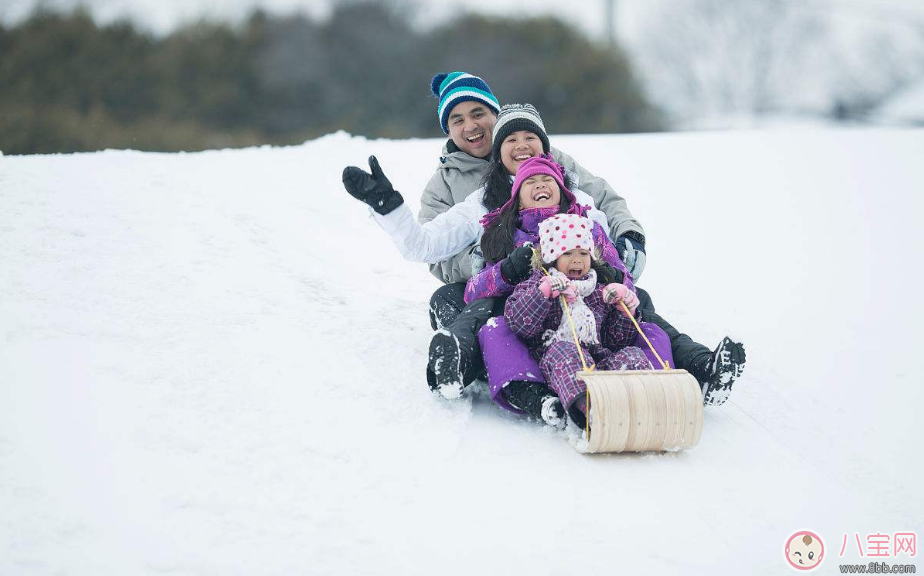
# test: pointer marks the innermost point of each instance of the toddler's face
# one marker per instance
(574, 263)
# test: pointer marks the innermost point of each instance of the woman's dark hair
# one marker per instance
(497, 241)
(497, 185)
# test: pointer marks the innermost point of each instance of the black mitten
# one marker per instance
(606, 274)
(518, 265)
(373, 189)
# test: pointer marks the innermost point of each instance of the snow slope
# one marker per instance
(212, 363)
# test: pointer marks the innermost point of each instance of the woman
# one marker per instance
(539, 196)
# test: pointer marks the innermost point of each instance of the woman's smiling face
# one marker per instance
(539, 191)
(519, 147)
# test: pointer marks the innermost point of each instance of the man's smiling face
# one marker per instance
(470, 126)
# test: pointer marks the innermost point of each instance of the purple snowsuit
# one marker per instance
(530, 315)
(506, 357)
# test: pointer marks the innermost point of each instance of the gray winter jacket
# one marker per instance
(460, 174)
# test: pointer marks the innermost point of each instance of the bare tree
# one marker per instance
(706, 58)
(882, 64)
(609, 20)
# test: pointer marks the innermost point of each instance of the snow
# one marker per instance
(213, 363)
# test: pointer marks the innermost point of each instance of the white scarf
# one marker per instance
(584, 322)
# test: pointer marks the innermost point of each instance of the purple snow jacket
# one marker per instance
(530, 314)
(489, 283)
(506, 357)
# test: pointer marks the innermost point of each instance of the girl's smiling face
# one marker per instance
(539, 191)
(574, 263)
(519, 147)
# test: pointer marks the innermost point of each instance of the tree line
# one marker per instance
(68, 84)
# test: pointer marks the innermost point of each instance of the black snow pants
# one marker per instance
(688, 354)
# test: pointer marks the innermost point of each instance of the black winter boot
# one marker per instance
(537, 400)
(447, 365)
(455, 355)
(724, 367)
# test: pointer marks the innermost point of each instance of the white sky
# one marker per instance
(163, 15)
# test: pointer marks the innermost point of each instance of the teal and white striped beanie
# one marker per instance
(457, 87)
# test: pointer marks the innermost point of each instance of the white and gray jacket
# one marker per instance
(452, 231)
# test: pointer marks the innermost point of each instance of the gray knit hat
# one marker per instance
(515, 117)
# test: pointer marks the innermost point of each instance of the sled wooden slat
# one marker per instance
(643, 410)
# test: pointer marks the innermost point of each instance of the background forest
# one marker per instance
(68, 83)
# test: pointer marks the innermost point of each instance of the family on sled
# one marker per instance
(522, 237)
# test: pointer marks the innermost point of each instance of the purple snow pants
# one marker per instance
(561, 362)
(507, 358)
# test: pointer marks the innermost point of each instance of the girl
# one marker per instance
(534, 312)
(539, 193)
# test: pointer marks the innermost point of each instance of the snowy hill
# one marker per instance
(213, 364)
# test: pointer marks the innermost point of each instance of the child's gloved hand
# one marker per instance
(613, 293)
(552, 286)
(517, 266)
(570, 293)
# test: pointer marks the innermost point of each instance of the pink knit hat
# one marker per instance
(541, 165)
(564, 232)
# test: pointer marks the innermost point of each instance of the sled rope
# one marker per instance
(638, 329)
(577, 342)
(664, 364)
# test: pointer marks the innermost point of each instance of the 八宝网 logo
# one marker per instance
(804, 550)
